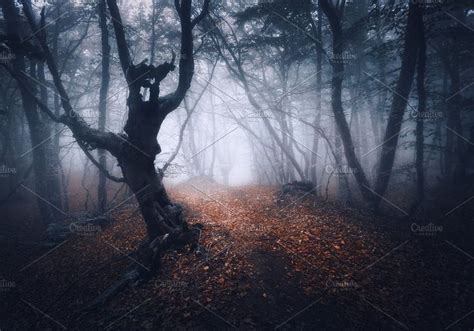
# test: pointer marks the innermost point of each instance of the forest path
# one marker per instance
(287, 255)
(262, 262)
(270, 286)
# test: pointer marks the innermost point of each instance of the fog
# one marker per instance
(206, 164)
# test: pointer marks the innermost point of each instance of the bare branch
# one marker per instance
(80, 129)
(124, 53)
(26, 87)
(188, 117)
(204, 13)
(98, 165)
(172, 101)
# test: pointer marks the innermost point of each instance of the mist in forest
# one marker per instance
(282, 152)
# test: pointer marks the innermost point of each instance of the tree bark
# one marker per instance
(137, 149)
(52, 159)
(104, 88)
(39, 133)
(420, 143)
(400, 101)
(318, 31)
(336, 99)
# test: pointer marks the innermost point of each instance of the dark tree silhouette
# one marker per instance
(137, 149)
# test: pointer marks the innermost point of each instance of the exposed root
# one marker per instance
(148, 261)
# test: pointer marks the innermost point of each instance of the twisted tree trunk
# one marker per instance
(136, 150)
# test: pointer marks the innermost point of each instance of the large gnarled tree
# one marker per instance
(137, 149)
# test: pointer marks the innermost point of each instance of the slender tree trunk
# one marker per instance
(102, 189)
(442, 156)
(364, 141)
(420, 143)
(287, 137)
(400, 101)
(52, 159)
(57, 109)
(455, 146)
(314, 156)
(39, 137)
(213, 148)
(195, 157)
(319, 101)
(336, 99)
(154, 17)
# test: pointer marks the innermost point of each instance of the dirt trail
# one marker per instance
(267, 236)
(274, 287)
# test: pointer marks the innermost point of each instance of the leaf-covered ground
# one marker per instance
(263, 262)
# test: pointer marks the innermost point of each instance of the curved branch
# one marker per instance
(48, 112)
(123, 51)
(188, 118)
(25, 86)
(172, 101)
(204, 13)
(98, 165)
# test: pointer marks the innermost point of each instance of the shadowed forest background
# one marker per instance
(205, 164)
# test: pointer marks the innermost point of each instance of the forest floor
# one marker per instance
(262, 263)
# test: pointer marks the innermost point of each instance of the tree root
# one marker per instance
(147, 262)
